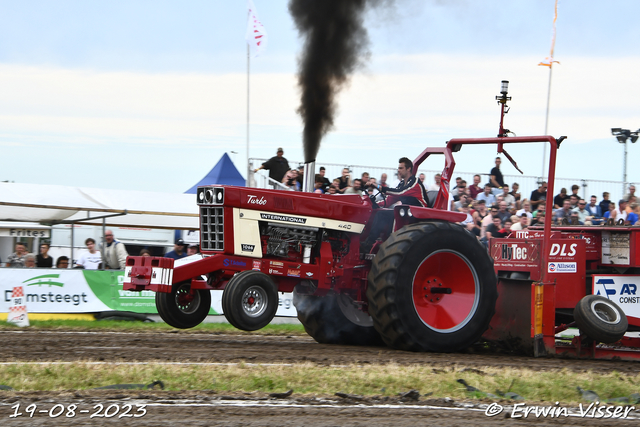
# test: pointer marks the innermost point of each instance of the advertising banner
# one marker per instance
(90, 291)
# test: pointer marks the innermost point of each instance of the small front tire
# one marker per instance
(250, 300)
(600, 319)
(183, 307)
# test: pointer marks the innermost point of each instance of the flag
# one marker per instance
(548, 61)
(256, 34)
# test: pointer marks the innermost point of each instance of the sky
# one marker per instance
(147, 95)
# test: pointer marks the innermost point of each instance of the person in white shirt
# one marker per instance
(91, 259)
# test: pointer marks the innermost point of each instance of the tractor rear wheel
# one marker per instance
(250, 300)
(432, 287)
(600, 319)
(334, 319)
(183, 307)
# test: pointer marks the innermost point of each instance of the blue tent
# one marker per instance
(224, 172)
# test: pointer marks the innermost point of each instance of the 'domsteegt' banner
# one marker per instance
(90, 291)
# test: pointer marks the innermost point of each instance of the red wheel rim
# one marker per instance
(445, 271)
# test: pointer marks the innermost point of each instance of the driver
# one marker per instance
(410, 191)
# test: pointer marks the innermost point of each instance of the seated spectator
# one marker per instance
(487, 196)
(538, 220)
(611, 211)
(621, 211)
(332, 190)
(508, 198)
(356, 188)
(460, 190)
(559, 199)
(325, 181)
(583, 213)
(522, 224)
(526, 208)
(564, 212)
(193, 249)
(488, 220)
(62, 262)
(632, 217)
(542, 207)
(574, 191)
(463, 202)
(594, 209)
(493, 230)
(178, 251)
(345, 180)
(503, 212)
(574, 201)
(318, 185)
(604, 204)
(145, 252)
(475, 188)
(290, 180)
(538, 196)
(506, 228)
(364, 180)
(16, 259)
(383, 180)
(43, 260)
(514, 192)
(30, 261)
(479, 214)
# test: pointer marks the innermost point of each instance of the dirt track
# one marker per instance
(240, 409)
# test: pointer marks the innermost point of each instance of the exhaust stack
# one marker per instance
(309, 177)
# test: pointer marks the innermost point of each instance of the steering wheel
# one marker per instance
(373, 197)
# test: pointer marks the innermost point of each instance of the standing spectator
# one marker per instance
(475, 189)
(178, 251)
(43, 259)
(487, 196)
(383, 180)
(277, 166)
(495, 178)
(345, 180)
(16, 259)
(514, 192)
(436, 185)
(91, 259)
(508, 198)
(604, 204)
(574, 191)
(559, 199)
(114, 252)
(630, 194)
(538, 196)
(62, 262)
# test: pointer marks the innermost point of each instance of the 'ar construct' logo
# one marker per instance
(46, 279)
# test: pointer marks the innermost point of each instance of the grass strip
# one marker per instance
(136, 326)
(368, 380)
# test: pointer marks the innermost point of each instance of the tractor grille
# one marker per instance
(212, 228)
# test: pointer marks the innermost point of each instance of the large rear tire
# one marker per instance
(183, 307)
(250, 300)
(432, 287)
(600, 319)
(334, 319)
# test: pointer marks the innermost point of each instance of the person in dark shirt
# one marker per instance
(495, 179)
(538, 196)
(43, 259)
(558, 201)
(178, 250)
(277, 166)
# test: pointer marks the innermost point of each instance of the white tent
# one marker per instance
(50, 204)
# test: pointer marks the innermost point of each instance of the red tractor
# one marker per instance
(424, 284)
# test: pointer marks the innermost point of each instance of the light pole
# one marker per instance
(623, 135)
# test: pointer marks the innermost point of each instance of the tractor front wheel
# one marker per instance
(183, 307)
(432, 287)
(250, 300)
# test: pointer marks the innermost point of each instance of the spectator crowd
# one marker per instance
(493, 208)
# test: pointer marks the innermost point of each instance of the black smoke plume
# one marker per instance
(336, 43)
